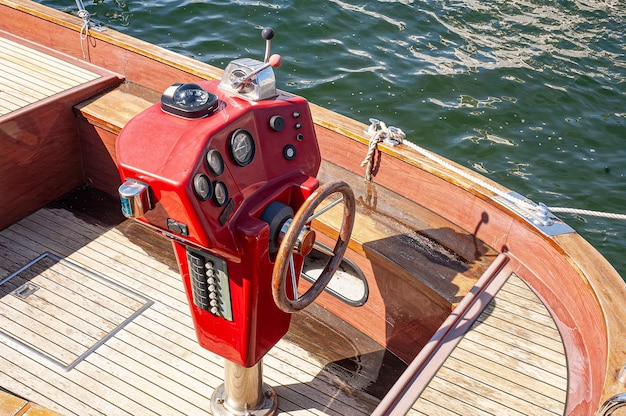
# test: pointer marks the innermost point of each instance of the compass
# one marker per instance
(188, 100)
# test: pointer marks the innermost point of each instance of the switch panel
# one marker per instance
(209, 283)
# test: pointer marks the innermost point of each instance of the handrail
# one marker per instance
(399, 400)
(612, 404)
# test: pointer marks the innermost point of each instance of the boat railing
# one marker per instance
(414, 380)
(612, 404)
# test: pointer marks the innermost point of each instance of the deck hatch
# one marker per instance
(61, 312)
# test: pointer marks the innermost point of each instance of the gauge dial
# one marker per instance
(215, 162)
(242, 147)
(202, 187)
(220, 194)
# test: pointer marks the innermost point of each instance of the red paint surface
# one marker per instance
(166, 152)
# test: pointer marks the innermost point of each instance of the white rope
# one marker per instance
(379, 131)
(376, 138)
(589, 213)
(84, 30)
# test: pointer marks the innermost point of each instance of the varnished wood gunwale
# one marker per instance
(40, 158)
(563, 270)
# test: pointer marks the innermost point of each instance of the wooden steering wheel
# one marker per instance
(299, 230)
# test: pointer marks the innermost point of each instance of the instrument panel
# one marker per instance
(209, 151)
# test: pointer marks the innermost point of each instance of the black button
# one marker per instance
(277, 123)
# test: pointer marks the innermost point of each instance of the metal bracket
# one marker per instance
(542, 219)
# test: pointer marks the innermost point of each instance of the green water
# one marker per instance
(529, 93)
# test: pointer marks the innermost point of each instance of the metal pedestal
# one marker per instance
(244, 393)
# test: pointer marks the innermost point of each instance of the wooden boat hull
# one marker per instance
(583, 293)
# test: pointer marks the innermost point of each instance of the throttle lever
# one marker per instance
(267, 34)
(274, 61)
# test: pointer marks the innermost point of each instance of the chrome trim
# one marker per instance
(612, 404)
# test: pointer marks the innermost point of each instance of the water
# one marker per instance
(529, 93)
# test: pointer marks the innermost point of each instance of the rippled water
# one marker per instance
(529, 93)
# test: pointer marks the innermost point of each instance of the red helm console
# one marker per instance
(201, 167)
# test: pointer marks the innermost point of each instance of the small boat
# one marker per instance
(168, 231)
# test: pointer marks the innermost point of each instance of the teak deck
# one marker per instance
(511, 361)
(109, 333)
(29, 76)
(152, 363)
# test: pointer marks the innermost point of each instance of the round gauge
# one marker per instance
(242, 147)
(202, 186)
(188, 100)
(220, 194)
(215, 162)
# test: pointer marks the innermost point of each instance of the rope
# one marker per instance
(587, 212)
(379, 132)
(84, 30)
(374, 140)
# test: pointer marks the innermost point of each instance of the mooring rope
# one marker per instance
(589, 213)
(379, 132)
(84, 30)
(376, 138)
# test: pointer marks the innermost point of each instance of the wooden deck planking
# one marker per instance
(29, 76)
(511, 361)
(154, 365)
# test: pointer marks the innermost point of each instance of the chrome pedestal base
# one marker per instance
(244, 393)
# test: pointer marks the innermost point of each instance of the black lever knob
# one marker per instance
(267, 33)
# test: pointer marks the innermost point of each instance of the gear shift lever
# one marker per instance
(267, 34)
